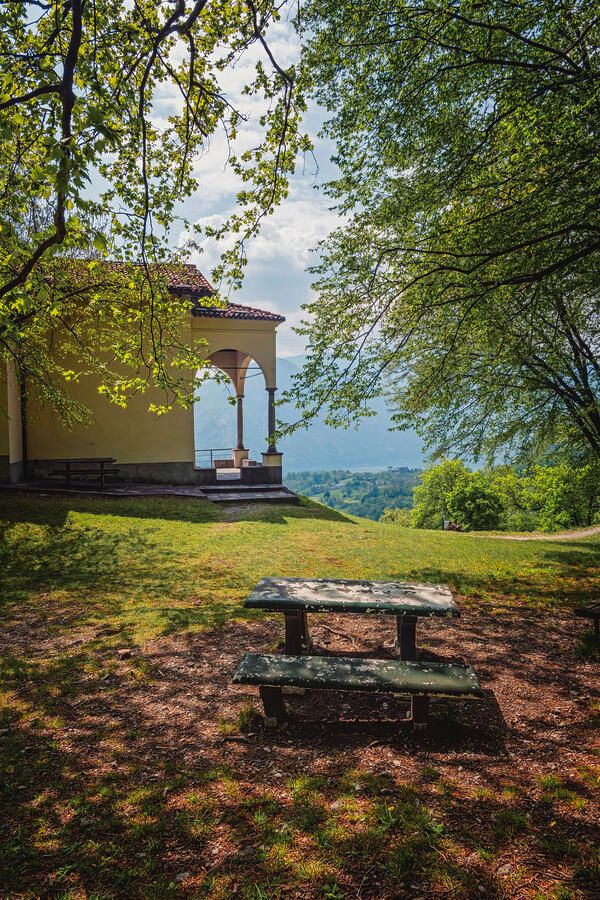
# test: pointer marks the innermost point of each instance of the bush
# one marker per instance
(474, 503)
(431, 496)
(545, 498)
(397, 516)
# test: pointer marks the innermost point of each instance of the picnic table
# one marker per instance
(94, 465)
(295, 597)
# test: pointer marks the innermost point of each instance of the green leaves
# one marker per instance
(465, 280)
(92, 165)
(100, 243)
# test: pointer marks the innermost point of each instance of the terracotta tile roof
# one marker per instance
(236, 311)
(186, 278)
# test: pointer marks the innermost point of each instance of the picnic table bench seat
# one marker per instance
(87, 471)
(419, 680)
(97, 467)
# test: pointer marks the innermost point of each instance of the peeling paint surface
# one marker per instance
(342, 595)
(347, 673)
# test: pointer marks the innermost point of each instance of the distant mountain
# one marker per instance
(371, 445)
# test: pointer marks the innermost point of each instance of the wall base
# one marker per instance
(261, 475)
(11, 473)
(151, 473)
(138, 473)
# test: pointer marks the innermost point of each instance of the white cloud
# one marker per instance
(286, 237)
(275, 278)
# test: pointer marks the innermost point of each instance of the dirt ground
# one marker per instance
(512, 779)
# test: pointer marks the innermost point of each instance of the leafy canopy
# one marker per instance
(465, 277)
(93, 167)
(542, 498)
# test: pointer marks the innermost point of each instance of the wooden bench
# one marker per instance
(419, 680)
(224, 464)
(592, 612)
(85, 467)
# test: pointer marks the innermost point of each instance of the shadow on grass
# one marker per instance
(561, 589)
(82, 559)
(54, 510)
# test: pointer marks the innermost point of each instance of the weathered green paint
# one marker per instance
(342, 595)
(346, 673)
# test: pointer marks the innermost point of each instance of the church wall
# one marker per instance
(11, 438)
(148, 448)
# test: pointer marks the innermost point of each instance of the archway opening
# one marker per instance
(230, 415)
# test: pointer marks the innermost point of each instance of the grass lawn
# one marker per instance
(130, 766)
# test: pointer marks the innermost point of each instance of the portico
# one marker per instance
(238, 336)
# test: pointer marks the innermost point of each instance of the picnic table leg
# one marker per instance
(297, 637)
(68, 473)
(273, 702)
(597, 633)
(406, 641)
(102, 475)
(419, 709)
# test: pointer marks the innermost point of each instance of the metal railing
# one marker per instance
(204, 459)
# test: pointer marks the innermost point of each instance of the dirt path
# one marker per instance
(560, 536)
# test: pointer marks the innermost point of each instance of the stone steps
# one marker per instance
(252, 494)
(223, 493)
(224, 487)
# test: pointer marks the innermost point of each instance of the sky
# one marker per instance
(275, 278)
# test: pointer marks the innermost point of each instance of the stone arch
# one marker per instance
(235, 364)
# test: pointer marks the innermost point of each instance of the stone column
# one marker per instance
(272, 423)
(240, 423)
(240, 453)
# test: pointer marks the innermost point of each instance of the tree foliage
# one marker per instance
(92, 167)
(465, 278)
(430, 498)
(542, 498)
(475, 504)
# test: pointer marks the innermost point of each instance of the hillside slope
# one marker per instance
(155, 563)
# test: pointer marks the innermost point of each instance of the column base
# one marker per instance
(272, 459)
(238, 456)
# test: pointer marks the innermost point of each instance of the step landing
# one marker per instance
(249, 493)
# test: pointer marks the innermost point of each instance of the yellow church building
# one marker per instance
(147, 448)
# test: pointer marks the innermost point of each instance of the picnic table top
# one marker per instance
(343, 595)
(86, 459)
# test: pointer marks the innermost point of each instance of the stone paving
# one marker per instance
(224, 494)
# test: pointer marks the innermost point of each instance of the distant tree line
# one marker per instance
(504, 498)
(500, 498)
(365, 494)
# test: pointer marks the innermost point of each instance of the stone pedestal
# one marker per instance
(272, 459)
(238, 455)
(273, 463)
